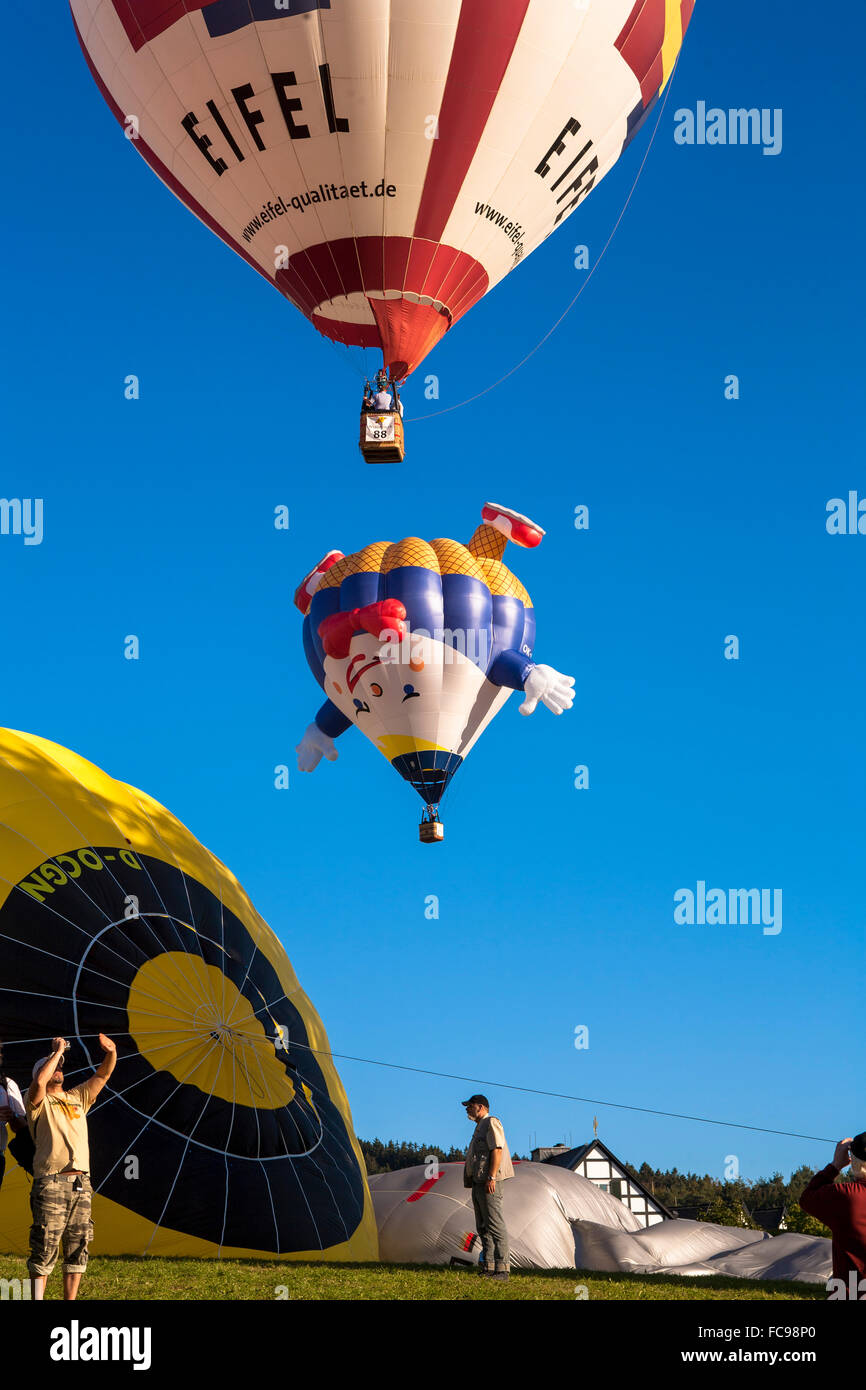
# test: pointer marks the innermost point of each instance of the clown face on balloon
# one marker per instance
(419, 644)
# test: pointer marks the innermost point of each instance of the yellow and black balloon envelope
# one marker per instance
(225, 1129)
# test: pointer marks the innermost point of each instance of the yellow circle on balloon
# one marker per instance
(187, 1018)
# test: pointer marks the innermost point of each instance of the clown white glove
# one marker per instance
(551, 687)
(313, 747)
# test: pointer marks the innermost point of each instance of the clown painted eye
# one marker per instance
(376, 689)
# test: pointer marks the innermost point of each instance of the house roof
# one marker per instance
(769, 1217)
(573, 1157)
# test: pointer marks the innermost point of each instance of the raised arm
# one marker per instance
(545, 683)
(36, 1094)
(105, 1068)
(822, 1197)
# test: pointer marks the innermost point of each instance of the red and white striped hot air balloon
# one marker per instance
(383, 162)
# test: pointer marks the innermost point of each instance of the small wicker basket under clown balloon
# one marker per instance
(419, 644)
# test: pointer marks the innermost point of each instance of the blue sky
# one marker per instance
(706, 518)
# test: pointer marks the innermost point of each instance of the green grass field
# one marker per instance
(128, 1277)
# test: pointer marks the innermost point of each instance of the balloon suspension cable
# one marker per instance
(501, 1085)
(560, 1095)
(447, 410)
(431, 831)
(344, 351)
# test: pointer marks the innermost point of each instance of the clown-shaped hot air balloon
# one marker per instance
(224, 1129)
(419, 644)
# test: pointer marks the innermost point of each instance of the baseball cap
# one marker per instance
(37, 1067)
(477, 1100)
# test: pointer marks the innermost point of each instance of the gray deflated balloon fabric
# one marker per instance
(558, 1220)
(787, 1256)
(657, 1247)
(697, 1248)
(432, 1222)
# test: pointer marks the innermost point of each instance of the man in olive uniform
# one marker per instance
(488, 1165)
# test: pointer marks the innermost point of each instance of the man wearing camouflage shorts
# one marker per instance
(61, 1194)
(488, 1164)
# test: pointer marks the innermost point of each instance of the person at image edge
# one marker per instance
(842, 1208)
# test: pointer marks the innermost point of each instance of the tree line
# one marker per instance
(732, 1203)
(387, 1158)
(729, 1203)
